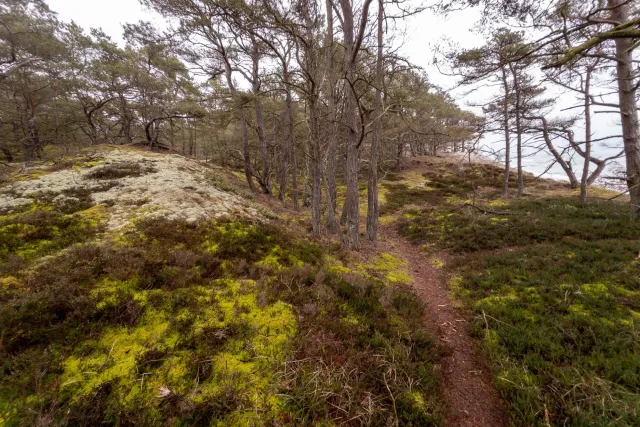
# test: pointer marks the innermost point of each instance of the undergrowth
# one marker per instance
(41, 228)
(120, 170)
(554, 288)
(216, 323)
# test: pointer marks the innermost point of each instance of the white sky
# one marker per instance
(423, 33)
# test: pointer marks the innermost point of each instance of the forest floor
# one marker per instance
(141, 288)
(474, 309)
(534, 301)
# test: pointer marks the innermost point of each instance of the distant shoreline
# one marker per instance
(476, 157)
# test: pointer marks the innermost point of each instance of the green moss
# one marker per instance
(437, 263)
(29, 176)
(389, 268)
(87, 164)
(40, 230)
(119, 170)
(208, 324)
(553, 288)
(249, 358)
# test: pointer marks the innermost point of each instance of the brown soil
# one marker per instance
(467, 383)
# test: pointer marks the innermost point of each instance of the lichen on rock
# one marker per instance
(167, 186)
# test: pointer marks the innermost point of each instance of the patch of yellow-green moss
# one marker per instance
(81, 164)
(335, 266)
(40, 229)
(437, 263)
(392, 269)
(29, 176)
(273, 259)
(250, 340)
(94, 216)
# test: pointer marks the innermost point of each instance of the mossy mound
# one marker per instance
(215, 323)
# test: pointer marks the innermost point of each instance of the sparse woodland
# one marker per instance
(308, 113)
(306, 94)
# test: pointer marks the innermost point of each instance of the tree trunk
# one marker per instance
(148, 133)
(332, 143)
(352, 204)
(184, 138)
(507, 136)
(312, 99)
(31, 147)
(5, 150)
(264, 153)
(243, 126)
(284, 160)
(292, 139)
(628, 106)
(245, 149)
(57, 117)
(372, 191)
(316, 173)
(172, 133)
(584, 182)
(399, 153)
(518, 111)
(126, 120)
(93, 131)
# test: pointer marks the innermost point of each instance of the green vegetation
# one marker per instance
(554, 288)
(39, 229)
(120, 170)
(217, 323)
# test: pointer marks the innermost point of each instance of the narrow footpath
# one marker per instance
(468, 387)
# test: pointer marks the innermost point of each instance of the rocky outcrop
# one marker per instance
(132, 184)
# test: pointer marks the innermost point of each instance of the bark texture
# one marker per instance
(620, 11)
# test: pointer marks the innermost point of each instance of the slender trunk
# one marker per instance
(372, 191)
(507, 136)
(584, 184)
(516, 89)
(148, 133)
(5, 150)
(243, 127)
(264, 153)
(284, 162)
(628, 108)
(245, 149)
(192, 139)
(332, 142)
(57, 116)
(16, 129)
(292, 138)
(93, 131)
(32, 148)
(222, 149)
(184, 138)
(126, 120)
(399, 153)
(172, 133)
(352, 204)
(316, 172)
(312, 99)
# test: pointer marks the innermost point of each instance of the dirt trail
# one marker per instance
(468, 386)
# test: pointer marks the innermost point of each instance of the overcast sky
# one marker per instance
(423, 33)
